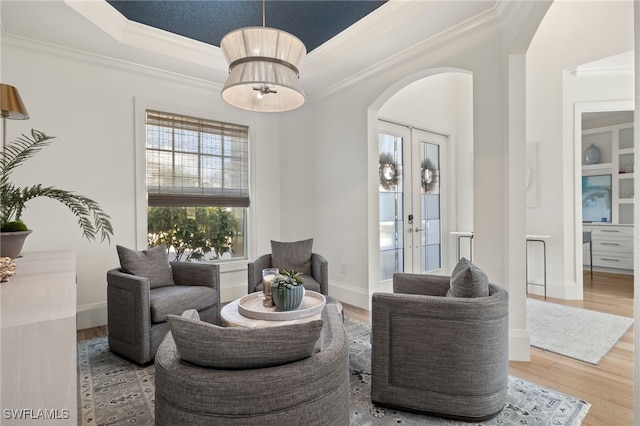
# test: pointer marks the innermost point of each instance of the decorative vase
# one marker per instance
(268, 275)
(287, 298)
(592, 155)
(11, 243)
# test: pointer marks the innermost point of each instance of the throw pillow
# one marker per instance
(234, 348)
(152, 263)
(467, 280)
(292, 255)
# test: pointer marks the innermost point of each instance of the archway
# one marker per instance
(439, 101)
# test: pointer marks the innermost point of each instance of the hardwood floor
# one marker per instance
(608, 386)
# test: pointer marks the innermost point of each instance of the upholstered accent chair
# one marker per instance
(147, 288)
(283, 375)
(439, 354)
(296, 255)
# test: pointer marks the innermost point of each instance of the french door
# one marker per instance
(410, 185)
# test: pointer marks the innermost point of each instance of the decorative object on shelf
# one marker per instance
(7, 268)
(263, 73)
(592, 154)
(388, 171)
(268, 275)
(428, 176)
(287, 290)
(93, 221)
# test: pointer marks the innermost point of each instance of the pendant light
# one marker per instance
(263, 73)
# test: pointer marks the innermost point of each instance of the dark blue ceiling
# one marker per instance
(312, 21)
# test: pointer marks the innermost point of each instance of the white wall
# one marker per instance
(572, 33)
(88, 103)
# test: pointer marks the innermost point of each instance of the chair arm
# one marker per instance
(128, 311)
(254, 271)
(320, 272)
(189, 273)
(427, 285)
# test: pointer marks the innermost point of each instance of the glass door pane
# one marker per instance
(429, 159)
(410, 200)
(391, 205)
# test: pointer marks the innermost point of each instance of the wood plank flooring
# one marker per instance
(608, 386)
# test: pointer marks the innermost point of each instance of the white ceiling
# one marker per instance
(374, 42)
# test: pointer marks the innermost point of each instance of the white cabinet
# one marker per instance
(38, 341)
(612, 246)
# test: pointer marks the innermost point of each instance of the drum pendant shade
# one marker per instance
(263, 69)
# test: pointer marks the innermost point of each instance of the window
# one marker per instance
(197, 177)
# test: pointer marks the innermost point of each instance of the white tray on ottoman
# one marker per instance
(251, 306)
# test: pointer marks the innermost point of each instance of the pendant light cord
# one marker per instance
(264, 8)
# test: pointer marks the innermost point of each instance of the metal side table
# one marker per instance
(538, 239)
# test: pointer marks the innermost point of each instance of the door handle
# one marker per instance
(419, 230)
(410, 230)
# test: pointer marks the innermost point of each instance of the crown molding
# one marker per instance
(466, 28)
(10, 41)
(141, 36)
(616, 65)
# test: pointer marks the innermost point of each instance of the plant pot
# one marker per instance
(11, 243)
(287, 299)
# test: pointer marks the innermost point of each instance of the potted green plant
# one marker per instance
(93, 221)
(287, 290)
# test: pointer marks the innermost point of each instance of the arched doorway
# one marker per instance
(425, 121)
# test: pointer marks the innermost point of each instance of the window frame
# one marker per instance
(141, 202)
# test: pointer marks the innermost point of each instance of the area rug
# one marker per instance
(573, 332)
(114, 391)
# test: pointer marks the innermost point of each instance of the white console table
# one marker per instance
(38, 341)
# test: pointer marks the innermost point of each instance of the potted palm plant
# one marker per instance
(93, 221)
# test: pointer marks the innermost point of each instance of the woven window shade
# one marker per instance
(196, 162)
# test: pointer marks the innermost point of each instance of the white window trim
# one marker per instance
(141, 105)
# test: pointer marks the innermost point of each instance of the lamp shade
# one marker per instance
(263, 73)
(11, 104)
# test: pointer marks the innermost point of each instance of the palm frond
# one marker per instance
(20, 150)
(93, 221)
(91, 218)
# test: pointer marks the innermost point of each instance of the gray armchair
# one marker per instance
(312, 391)
(291, 255)
(446, 356)
(137, 310)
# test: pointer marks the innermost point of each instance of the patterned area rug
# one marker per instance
(114, 391)
(573, 332)
(527, 403)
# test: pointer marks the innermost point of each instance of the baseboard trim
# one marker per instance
(519, 345)
(350, 294)
(91, 315)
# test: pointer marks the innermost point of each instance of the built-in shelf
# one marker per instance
(617, 152)
(612, 243)
(599, 166)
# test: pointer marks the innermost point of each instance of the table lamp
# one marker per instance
(12, 107)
